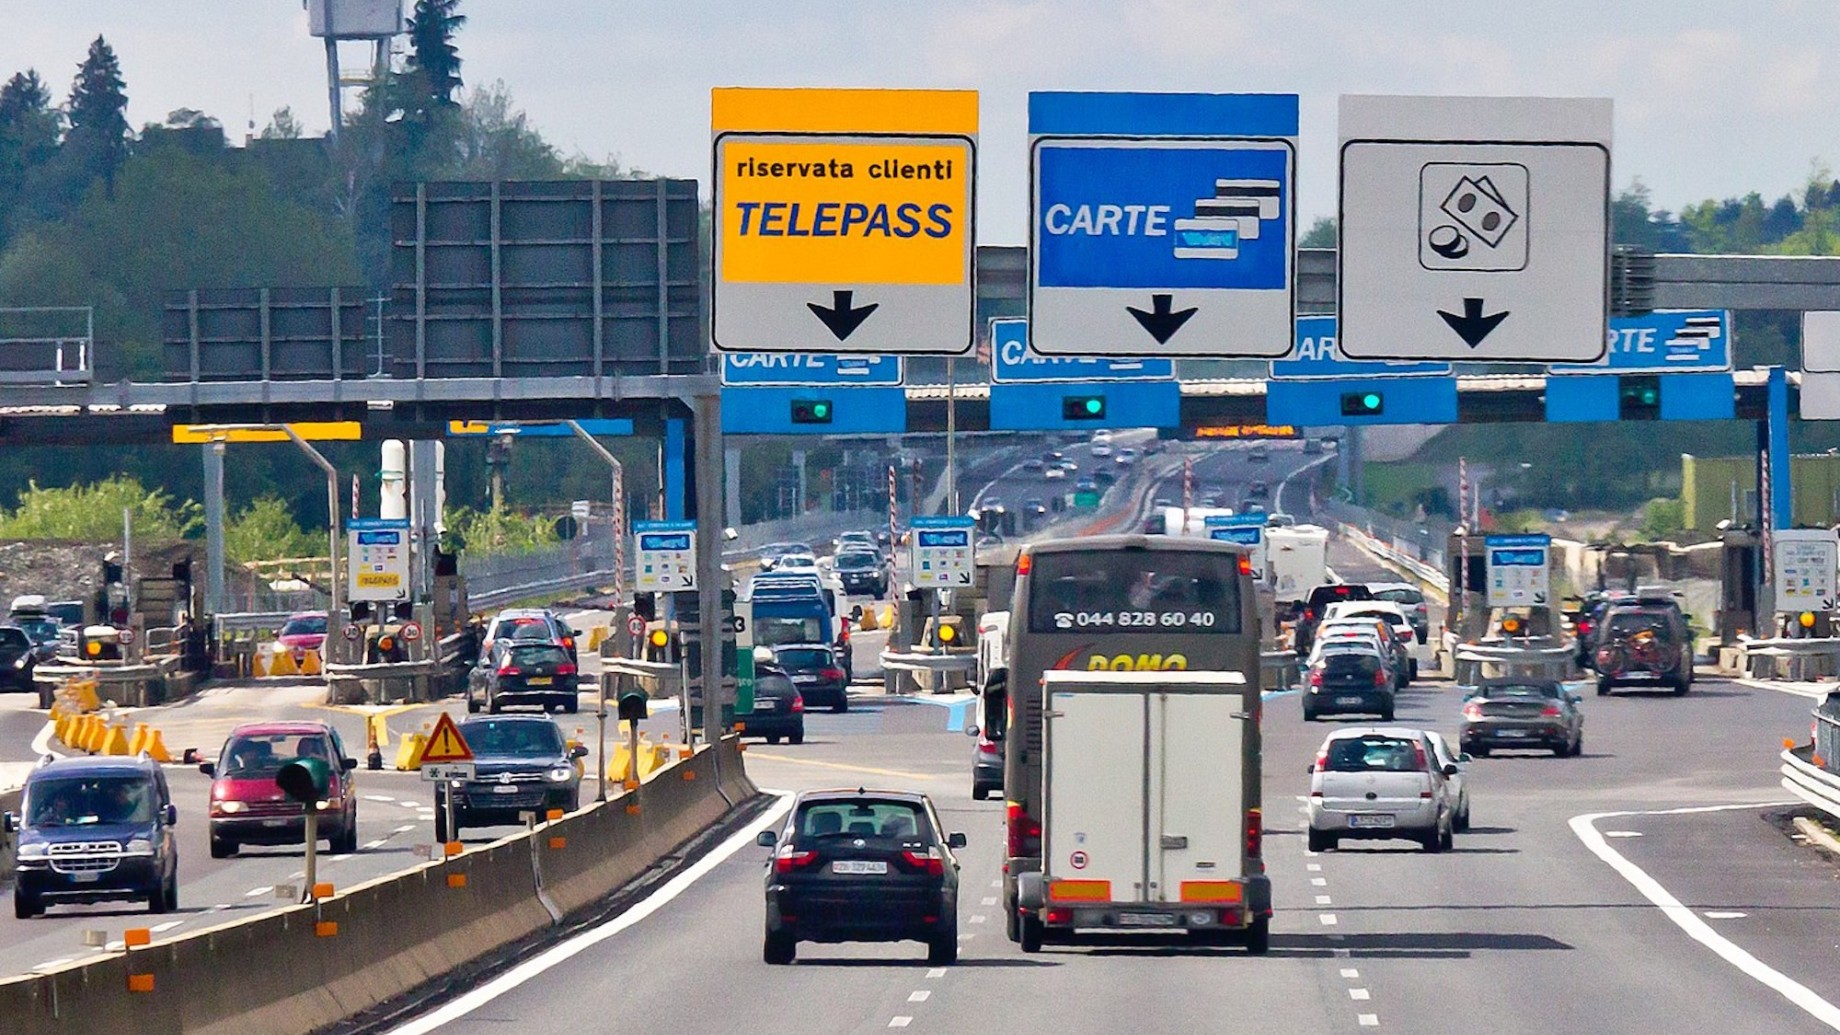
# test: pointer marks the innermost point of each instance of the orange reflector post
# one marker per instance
(1080, 891)
(322, 890)
(452, 848)
(557, 844)
(553, 815)
(134, 937)
(632, 810)
(1211, 891)
(456, 880)
(326, 929)
(140, 982)
(689, 774)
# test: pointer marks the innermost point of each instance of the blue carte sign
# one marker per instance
(1013, 362)
(1662, 342)
(1317, 358)
(817, 370)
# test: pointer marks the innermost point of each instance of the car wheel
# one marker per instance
(779, 949)
(492, 703)
(1323, 841)
(1258, 936)
(572, 706)
(156, 899)
(1447, 837)
(1412, 670)
(1309, 715)
(347, 842)
(1387, 715)
(942, 948)
(842, 705)
(772, 738)
(1578, 746)
(1479, 752)
(1461, 823)
(796, 738)
(472, 705)
(25, 906)
(1433, 840)
(1030, 934)
(1681, 687)
(172, 893)
(442, 835)
(1603, 688)
(222, 849)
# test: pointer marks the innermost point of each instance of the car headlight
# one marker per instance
(23, 660)
(35, 850)
(140, 846)
(561, 773)
(231, 807)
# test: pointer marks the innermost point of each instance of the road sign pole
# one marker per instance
(951, 441)
(312, 867)
(710, 578)
(600, 757)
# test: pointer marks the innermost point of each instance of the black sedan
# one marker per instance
(18, 657)
(1523, 713)
(524, 672)
(817, 673)
(521, 763)
(779, 708)
(1348, 681)
(862, 866)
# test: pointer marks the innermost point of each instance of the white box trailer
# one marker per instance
(1151, 806)
(1298, 559)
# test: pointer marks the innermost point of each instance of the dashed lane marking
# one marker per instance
(936, 972)
(379, 843)
(1725, 914)
(1313, 867)
(1320, 882)
(900, 1022)
(167, 926)
(1359, 994)
(253, 892)
(977, 918)
(1323, 900)
(919, 996)
(1368, 1020)
(1327, 919)
(990, 900)
(1350, 973)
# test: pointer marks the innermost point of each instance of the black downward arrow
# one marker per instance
(1160, 321)
(1472, 326)
(843, 317)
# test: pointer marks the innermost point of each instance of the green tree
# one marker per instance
(497, 141)
(434, 60)
(98, 137)
(266, 531)
(499, 530)
(93, 513)
(283, 126)
(29, 128)
(1321, 234)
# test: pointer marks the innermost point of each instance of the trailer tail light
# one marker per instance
(1060, 916)
(1255, 833)
(1024, 832)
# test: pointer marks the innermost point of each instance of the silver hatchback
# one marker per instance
(1379, 782)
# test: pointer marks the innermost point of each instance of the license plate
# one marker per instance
(274, 822)
(858, 866)
(1348, 700)
(1370, 821)
(1638, 675)
(1146, 920)
(84, 878)
(1510, 733)
(540, 680)
(505, 788)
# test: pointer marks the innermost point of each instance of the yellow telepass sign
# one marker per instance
(312, 431)
(844, 220)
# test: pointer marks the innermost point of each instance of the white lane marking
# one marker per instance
(379, 843)
(1350, 973)
(900, 1022)
(920, 996)
(936, 972)
(1359, 994)
(379, 797)
(1725, 914)
(1320, 882)
(253, 892)
(1622, 833)
(1817, 691)
(48, 964)
(977, 918)
(1684, 918)
(1313, 867)
(989, 900)
(167, 926)
(1368, 1020)
(1323, 900)
(403, 829)
(657, 900)
(1327, 919)
(996, 883)
(338, 858)
(41, 744)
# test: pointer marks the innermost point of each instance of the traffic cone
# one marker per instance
(115, 740)
(156, 747)
(373, 747)
(138, 743)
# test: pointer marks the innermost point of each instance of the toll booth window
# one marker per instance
(1135, 591)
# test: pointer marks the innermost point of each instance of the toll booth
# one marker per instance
(1467, 617)
(1740, 570)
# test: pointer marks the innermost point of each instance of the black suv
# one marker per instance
(862, 866)
(1304, 634)
(95, 830)
(817, 673)
(520, 764)
(861, 571)
(1643, 644)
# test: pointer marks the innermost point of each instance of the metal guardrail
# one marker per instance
(659, 679)
(937, 670)
(1779, 658)
(1809, 782)
(1279, 670)
(1471, 659)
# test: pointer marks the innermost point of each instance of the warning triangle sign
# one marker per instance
(446, 744)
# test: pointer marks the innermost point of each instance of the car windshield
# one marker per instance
(1520, 690)
(305, 625)
(83, 801)
(518, 738)
(254, 756)
(1400, 596)
(769, 631)
(803, 657)
(538, 654)
(857, 560)
(527, 629)
(1629, 623)
(1351, 661)
(1370, 754)
(865, 819)
(39, 630)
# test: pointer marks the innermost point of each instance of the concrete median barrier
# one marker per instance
(285, 972)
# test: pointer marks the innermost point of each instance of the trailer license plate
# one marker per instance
(1370, 821)
(1146, 920)
(858, 866)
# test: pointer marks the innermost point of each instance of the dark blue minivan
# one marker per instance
(95, 830)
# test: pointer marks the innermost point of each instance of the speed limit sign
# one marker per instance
(635, 626)
(412, 631)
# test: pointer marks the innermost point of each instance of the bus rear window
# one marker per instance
(1160, 591)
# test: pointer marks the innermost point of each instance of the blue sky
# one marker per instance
(1712, 98)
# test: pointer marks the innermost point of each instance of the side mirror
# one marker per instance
(1450, 770)
(767, 839)
(972, 731)
(1574, 698)
(1311, 768)
(10, 822)
(348, 764)
(208, 768)
(955, 840)
(578, 751)
(171, 814)
(578, 632)
(1464, 759)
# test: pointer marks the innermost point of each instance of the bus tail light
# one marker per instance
(1024, 562)
(1245, 564)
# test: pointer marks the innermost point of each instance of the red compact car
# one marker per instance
(247, 808)
(303, 632)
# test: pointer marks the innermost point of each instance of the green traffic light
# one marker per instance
(821, 409)
(1093, 406)
(1371, 400)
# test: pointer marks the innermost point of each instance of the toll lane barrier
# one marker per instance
(275, 974)
(96, 735)
(274, 660)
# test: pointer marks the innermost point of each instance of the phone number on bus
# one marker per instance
(1134, 619)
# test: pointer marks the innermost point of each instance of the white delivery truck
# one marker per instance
(1298, 561)
(1151, 809)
